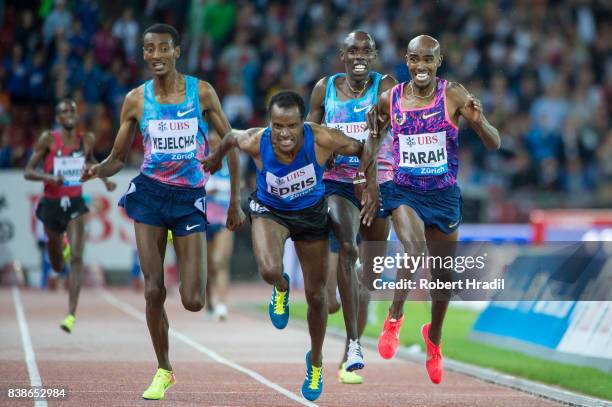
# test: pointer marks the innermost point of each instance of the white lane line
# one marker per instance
(28, 350)
(130, 310)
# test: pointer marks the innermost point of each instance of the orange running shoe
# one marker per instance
(434, 357)
(388, 340)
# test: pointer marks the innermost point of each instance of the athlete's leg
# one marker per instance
(76, 237)
(313, 259)
(224, 244)
(377, 234)
(410, 231)
(345, 223)
(333, 305)
(55, 248)
(211, 275)
(151, 243)
(268, 244)
(444, 245)
(191, 263)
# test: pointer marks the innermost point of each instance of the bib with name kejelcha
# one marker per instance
(423, 154)
(173, 137)
(70, 168)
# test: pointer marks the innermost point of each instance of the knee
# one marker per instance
(270, 271)
(316, 298)
(193, 304)
(154, 293)
(349, 251)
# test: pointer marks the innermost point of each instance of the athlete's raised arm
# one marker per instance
(367, 163)
(209, 102)
(317, 101)
(245, 140)
(128, 122)
(330, 141)
(41, 149)
(463, 103)
(378, 116)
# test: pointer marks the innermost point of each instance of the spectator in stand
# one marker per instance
(126, 31)
(59, 20)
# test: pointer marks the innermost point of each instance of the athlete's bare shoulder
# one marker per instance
(387, 82)
(208, 96)
(456, 94)
(249, 140)
(133, 104)
(323, 132)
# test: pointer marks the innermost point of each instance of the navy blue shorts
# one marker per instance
(179, 209)
(439, 208)
(347, 190)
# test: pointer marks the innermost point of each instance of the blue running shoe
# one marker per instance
(313, 384)
(279, 306)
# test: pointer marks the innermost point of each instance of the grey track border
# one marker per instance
(490, 376)
(486, 375)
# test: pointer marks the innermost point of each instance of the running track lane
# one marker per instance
(109, 360)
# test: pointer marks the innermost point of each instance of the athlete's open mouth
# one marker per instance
(360, 68)
(422, 76)
(286, 143)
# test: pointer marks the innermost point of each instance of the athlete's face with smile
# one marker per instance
(67, 115)
(423, 62)
(287, 127)
(160, 53)
(357, 54)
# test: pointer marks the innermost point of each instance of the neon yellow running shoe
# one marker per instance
(66, 251)
(162, 381)
(347, 377)
(68, 323)
(170, 237)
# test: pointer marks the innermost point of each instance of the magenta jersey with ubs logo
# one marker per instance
(425, 142)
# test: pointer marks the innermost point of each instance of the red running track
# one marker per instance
(108, 360)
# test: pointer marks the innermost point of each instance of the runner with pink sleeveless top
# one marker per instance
(423, 116)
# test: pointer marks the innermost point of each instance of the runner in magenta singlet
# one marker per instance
(423, 116)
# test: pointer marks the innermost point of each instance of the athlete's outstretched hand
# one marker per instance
(90, 172)
(213, 162)
(369, 203)
(472, 110)
(235, 216)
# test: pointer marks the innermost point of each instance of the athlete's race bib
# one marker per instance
(356, 130)
(423, 154)
(176, 138)
(292, 185)
(69, 168)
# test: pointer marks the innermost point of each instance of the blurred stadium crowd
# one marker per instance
(543, 69)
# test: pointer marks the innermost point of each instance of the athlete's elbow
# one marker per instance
(494, 144)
